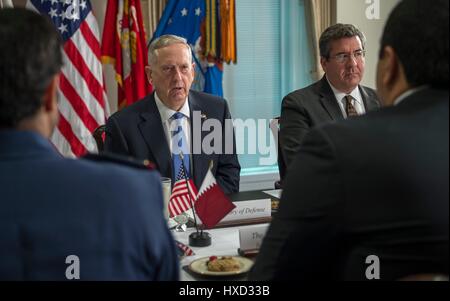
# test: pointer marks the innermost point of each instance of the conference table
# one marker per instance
(225, 241)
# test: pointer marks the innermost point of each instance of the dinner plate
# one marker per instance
(199, 266)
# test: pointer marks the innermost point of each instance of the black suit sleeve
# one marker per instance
(303, 239)
(115, 141)
(294, 124)
(228, 167)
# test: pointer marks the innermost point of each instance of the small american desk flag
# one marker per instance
(184, 194)
(82, 98)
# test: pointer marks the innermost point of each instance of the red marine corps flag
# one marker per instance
(124, 46)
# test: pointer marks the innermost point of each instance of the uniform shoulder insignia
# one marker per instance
(118, 159)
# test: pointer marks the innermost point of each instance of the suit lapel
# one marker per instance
(328, 100)
(369, 103)
(153, 132)
(200, 161)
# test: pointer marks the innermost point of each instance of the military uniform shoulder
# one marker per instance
(121, 160)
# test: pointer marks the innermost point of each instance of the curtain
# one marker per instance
(296, 55)
(16, 3)
(6, 3)
(320, 14)
(152, 11)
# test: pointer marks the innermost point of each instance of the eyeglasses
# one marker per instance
(344, 57)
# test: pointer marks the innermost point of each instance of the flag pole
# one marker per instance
(189, 191)
(197, 239)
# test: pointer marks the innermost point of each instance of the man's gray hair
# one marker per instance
(162, 42)
(337, 32)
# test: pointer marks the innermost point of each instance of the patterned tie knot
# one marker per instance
(177, 116)
(348, 100)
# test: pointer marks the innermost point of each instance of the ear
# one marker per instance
(50, 104)
(323, 63)
(193, 69)
(389, 67)
(148, 72)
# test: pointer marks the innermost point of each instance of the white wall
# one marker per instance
(354, 12)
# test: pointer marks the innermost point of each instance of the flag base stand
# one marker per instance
(200, 239)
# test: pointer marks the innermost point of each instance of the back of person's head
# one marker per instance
(418, 32)
(30, 57)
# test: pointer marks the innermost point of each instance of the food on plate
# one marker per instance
(223, 264)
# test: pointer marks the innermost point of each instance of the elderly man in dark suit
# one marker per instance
(336, 96)
(64, 219)
(145, 130)
(368, 198)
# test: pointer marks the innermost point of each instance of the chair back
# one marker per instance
(99, 136)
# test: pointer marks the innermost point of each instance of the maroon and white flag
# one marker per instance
(212, 204)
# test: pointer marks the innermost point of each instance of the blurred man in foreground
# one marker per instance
(64, 219)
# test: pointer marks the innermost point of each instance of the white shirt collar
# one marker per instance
(167, 113)
(355, 94)
(408, 93)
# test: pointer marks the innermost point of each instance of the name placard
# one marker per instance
(247, 210)
(250, 238)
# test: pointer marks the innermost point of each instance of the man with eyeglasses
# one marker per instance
(336, 96)
(368, 198)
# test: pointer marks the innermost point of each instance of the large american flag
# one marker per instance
(184, 194)
(82, 99)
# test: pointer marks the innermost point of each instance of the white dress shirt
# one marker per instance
(166, 118)
(357, 101)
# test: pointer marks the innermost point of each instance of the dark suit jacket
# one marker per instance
(137, 131)
(372, 185)
(309, 107)
(108, 215)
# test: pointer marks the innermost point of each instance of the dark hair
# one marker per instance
(30, 55)
(418, 32)
(337, 32)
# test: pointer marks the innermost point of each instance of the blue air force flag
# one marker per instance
(185, 18)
